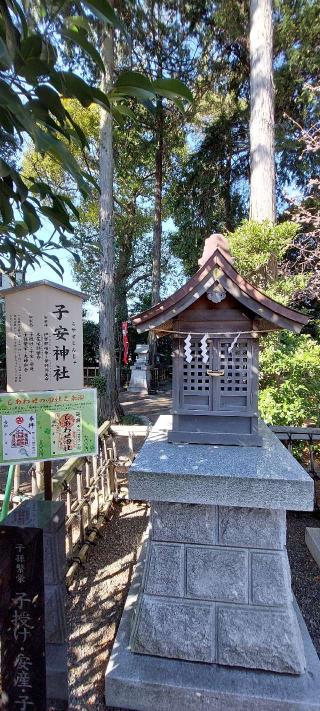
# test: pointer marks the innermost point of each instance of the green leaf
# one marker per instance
(172, 88)
(31, 47)
(80, 39)
(21, 228)
(33, 69)
(45, 143)
(51, 99)
(5, 208)
(100, 98)
(80, 133)
(72, 86)
(103, 11)
(124, 110)
(4, 168)
(30, 217)
(134, 79)
(58, 218)
(5, 59)
(74, 21)
(19, 11)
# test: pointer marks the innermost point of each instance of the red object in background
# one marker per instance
(125, 342)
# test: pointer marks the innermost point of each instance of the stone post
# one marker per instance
(214, 610)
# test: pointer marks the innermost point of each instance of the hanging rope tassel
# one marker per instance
(230, 349)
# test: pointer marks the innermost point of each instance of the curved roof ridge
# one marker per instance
(216, 252)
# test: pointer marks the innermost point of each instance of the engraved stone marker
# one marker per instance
(23, 671)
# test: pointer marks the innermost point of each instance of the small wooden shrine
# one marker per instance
(216, 320)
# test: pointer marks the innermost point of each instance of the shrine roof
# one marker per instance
(42, 282)
(216, 264)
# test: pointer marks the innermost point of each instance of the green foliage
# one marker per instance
(253, 244)
(131, 420)
(285, 288)
(290, 380)
(90, 343)
(32, 89)
(99, 382)
(289, 363)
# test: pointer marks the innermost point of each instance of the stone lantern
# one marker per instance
(216, 320)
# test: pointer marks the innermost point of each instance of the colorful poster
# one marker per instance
(47, 425)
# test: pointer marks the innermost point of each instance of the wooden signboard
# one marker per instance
(44, 338)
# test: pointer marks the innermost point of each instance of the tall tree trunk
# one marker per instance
(109, 403)
(157, 222)
(262, 153)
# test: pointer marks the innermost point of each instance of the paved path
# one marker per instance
(150, 406)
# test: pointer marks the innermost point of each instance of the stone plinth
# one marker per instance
(140, 371)
(216, 586)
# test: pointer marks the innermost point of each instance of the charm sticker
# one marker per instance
(66, 432)
(19, 434)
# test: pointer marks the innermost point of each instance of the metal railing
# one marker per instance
(308, 435)
(89, 487)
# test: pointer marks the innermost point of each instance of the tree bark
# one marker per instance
(262, 151)
(157, 223)
(109, 407)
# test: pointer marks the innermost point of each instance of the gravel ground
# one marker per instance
(304, 571)
(95, 603)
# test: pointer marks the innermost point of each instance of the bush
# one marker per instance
(289, 363)
(290, 380)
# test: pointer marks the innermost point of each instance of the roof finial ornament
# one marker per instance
(214, 243)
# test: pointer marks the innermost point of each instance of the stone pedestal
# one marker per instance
(215, 591)
(140, 371)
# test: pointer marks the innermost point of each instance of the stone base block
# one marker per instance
(142, 682)
(57, 675)
(313, 543)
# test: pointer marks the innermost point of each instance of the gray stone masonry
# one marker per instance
(220, 592)
(143, 682)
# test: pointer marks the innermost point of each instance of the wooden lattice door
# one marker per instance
(224, 382)
(197, 384)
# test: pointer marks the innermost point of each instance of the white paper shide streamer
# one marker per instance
(204, 348)
(187, 348)
(230, 349)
